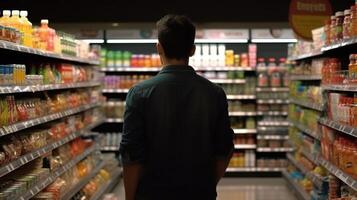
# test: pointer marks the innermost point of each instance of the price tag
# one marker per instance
(31, 155)
(32, 193)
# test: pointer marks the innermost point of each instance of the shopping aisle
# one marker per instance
(244, 189)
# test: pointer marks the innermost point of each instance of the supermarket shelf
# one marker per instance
(279, 149)
(5, 130)
(228, 81)
(306, 56)
(272, 89)
(130, 69)
(27, 51)
(352, 131)
(157, 69)
(306, 77)
(272, 137)
(225, 68)
(114, 120)
(273, 113)
(39, 88)
(109, 148)
(22, 160)
(306, 130)
(245, 131)
(316, 180)
(253, 169)
(339, 174)
(241, 97)
(271, 128)
(273, 123)
(108, 186)
(342, 88)
(54, 175)
(311, 157)
(344, 43)
(245, 146)
(272, 101)
(298, 190)
(115, 90)
(307, 104)
(239, 114)
(74, 190)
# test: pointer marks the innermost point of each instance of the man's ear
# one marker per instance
(159, 49)
(193, 50)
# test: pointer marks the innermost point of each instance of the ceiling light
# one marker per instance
(274, 40)
(132, 41)
(221, 41)
(94, 41)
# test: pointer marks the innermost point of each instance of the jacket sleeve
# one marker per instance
(132, 146)
(224, 134)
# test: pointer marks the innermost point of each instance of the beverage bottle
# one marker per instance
(47, 36)
(26, 28)
(5, 19)
(15, 22)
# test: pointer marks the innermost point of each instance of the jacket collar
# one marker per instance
(177, 68)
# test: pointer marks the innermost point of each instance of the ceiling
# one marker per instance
(84, 11)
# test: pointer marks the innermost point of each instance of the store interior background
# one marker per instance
(95, 20)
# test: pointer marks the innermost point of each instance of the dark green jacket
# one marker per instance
(176, 124)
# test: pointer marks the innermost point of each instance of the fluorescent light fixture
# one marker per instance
(94, 41)
(274, 40)
(132, 41)
(221, 41)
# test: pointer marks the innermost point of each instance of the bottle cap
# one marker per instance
(261, 59)
(15, 13)
(339, 14)
(347, 12)
(23, 13)
(271, 59)
(44, 21)
(6, 13)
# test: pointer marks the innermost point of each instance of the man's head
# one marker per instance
(176, 38)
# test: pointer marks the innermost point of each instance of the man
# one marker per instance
(177, 139)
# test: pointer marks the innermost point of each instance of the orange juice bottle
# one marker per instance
(5, 19)
(26, 28)
(47, 36)
(15, 22)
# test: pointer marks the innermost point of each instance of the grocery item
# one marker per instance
(26, 28)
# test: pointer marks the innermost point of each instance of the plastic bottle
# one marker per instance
(339, 25)
(332, 30)
(353, 24)
(347, 25)
(15, 22)
(47, 36)
(5, 19)
(27, 28)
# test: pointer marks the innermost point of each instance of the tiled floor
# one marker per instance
(245, 189)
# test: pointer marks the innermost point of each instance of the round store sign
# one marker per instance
(306, 15)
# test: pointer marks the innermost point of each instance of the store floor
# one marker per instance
(245, 189)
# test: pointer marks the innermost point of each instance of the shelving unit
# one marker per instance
(5, 130)
(298, 190)
(70, 193)
(15, 53)
(307, 104)
(42, 184)
(306, 130)
(108, 186)
(13, 50)
(335, 129)
(41, 88)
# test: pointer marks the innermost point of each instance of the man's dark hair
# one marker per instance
(176, 36)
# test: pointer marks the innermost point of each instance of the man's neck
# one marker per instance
(176, 62)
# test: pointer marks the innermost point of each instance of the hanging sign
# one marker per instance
(306, 15)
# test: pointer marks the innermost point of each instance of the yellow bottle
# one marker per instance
(15, 22)
(26, 28)
(5, 19)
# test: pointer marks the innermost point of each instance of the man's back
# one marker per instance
(180, 125)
